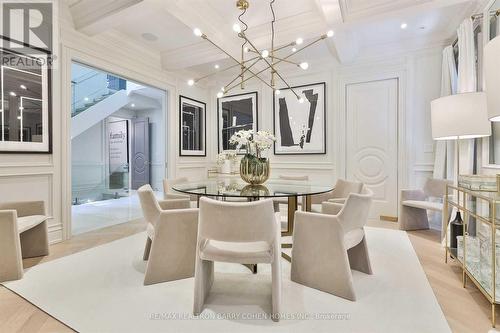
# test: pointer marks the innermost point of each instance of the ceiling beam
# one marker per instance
(94, 16)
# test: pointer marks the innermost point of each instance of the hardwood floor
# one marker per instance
(465, 309)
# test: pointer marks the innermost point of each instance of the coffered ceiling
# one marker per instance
(362, 26)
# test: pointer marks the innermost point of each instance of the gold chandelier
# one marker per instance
(269, 57)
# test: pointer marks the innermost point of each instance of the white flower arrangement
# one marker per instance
(227, 155)
(254, 142)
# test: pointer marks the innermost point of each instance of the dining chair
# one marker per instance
(23, 234)
(172, 227)
(326, 247)
(169, 193)
(338, 195)
(244, 233)
(284, 200)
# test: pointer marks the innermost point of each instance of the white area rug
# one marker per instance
(101, 290)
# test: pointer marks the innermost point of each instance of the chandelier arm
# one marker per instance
(248, 78)
(217, 72)
(285, 60)
(246, 69)
(306, 46)
(230, 56)
(270, 66)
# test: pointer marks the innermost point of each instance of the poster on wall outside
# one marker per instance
(300, 128)
(118, 146)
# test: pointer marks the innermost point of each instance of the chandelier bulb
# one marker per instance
(190, 82)
(220, 94)
(236, 28)
(197, 32)
(301, 100)
(265, 54)
(294, 49)
(277, 91)
(304, 65)
(299, 41)
(330, 33)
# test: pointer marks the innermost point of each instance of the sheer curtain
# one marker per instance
(444, 162)
(466, 83)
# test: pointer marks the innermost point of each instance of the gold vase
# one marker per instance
(254, 170)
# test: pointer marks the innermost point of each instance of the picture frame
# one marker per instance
(300, 128)
(25, 76)
(235, 113)
(192, 127)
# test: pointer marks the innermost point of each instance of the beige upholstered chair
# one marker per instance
(172, 228)
(326, 247)
(23, 234)
(415, 203)
(169, 193)
(245, 233)
(339, 194)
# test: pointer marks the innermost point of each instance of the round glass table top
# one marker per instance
(238, 188)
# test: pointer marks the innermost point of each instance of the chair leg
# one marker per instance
(276, 288)
(35, 241)
(147, 249)
(203, 280)
(359, 258)
(413, 218)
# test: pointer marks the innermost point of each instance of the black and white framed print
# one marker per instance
(192, 127)
(300, 128)
(235, 113)
(25, 118)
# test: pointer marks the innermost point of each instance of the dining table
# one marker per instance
(281, 191)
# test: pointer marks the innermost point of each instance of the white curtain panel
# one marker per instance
(466, 83)
(445, 150)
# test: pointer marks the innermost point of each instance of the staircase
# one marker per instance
(96, 95)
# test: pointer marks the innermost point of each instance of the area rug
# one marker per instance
(101, 290)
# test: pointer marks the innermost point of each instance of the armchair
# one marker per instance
(23, 234)
(416, 203)
(326, 247)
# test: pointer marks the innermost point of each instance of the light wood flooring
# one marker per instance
(465, 309)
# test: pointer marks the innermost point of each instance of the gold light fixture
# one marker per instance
(268, 56)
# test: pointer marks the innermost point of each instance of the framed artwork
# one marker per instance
(300, 128)
(235, 113)
(25, 115)
(192, 127)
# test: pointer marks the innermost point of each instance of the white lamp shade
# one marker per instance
(492, 78)
(461, 116)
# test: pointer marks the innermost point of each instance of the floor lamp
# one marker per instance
(456, 117)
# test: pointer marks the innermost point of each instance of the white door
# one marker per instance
(372, 141)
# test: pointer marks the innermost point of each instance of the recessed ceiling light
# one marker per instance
(12, 94)
(216, 66)
(22, 86)
(149, 37)
(404, 25)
